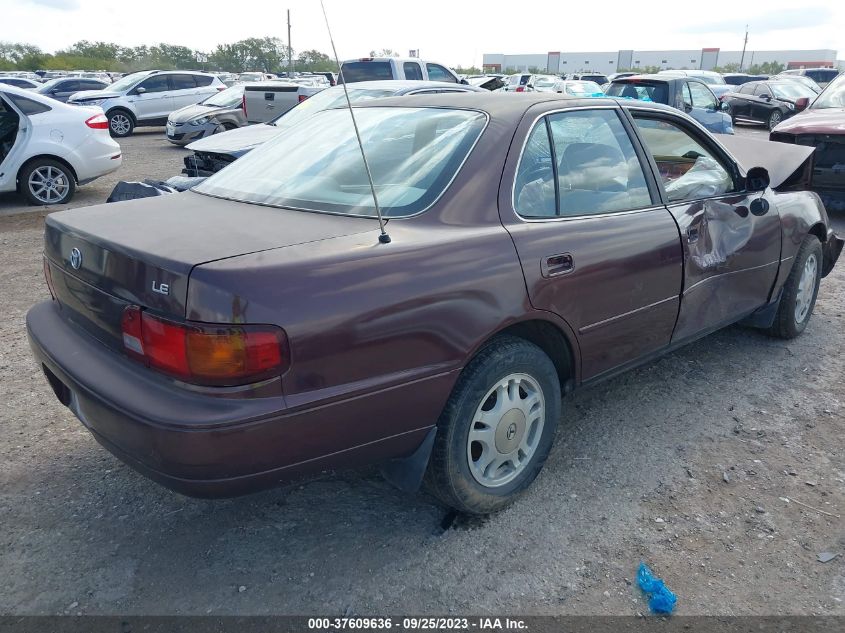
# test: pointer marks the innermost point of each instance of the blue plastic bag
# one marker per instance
(661, 599)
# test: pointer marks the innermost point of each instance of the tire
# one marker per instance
(799, 291)
(121, 123)
(774, 118)
(46, 181)
(514, 368)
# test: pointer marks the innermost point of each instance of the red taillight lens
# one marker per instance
(520, 89)
(98, 122)
(205, 354)
(302, 98)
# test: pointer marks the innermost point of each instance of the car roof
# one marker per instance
(505, 108)
(406, 85)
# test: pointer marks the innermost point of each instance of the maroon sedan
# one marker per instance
(822, 126)
(257, 329)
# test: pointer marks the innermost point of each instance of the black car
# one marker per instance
(768, 102)
(737, 79)
(62, 88)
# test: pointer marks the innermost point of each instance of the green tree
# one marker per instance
(385, 52)
(314, 60)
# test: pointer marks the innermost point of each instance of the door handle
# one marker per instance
(557, 265)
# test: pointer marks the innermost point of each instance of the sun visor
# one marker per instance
(781, 160)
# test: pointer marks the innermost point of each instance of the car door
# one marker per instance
(65, 89)
(740, 101)
(151, 98)
(705, 106)
(597, 246)
(412, 70)
(436, 72)
(763, 103)
(731, 255)
(15, 132)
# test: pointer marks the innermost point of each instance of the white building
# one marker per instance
(614, 61)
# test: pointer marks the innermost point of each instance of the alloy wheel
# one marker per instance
(506, 430)
(48, 184)
(120, 124)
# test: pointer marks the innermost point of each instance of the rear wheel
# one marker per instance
(120, 123)
(46, 181)
(497, 427)
(774, 118)
(799, 291)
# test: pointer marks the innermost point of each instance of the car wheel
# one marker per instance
(120, 123)
(799, 291)
(774, 118)
(497, 427)
(46, 181)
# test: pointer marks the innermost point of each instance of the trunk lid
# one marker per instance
(142, 252)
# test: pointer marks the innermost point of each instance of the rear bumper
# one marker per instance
(96, 156)
(211, 446)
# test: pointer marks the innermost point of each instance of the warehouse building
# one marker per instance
(615, 61)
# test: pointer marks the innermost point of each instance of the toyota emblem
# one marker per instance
(76, 258)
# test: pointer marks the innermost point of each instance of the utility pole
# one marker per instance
(744, 44)
(290, 50)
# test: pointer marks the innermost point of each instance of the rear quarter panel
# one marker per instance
(801, 212)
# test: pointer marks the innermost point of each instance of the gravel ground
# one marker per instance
(720, 465)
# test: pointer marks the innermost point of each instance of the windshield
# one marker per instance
(833, 96)
(127, 82)
(583, 88)
(366, 71)
(413, 154)
(326, 99)
(791, 91)
(229, 98)
(657, 92)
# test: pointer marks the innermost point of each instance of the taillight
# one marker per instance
(204, 353)
(98, 122)
(302, 98)
(520, 89)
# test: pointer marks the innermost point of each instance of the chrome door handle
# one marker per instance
(555, 265)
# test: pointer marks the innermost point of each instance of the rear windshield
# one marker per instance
(413, 154)
(599, 79)
(366, 71)
(578, 88)
(657, 92)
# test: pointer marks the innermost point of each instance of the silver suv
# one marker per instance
(146, 98)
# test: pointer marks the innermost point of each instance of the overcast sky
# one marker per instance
(450, 31)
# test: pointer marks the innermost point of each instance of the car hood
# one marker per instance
(94, 94)
(815, 121)
(236, 142)
(781, 160)
(195, 111)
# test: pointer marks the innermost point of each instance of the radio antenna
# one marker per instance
(383, 238)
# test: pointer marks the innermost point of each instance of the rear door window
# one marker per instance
(203, 80)
(688, 170)
(701, 96)
(436, 72)
(590, 167)
(412, 70)
(183, 82)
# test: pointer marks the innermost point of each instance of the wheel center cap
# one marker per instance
(509, 431)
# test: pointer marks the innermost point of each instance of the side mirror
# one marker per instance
(724, 106)
(767, 97)
(757, 179)
(464, 82)
(140, 90)
(801, 104)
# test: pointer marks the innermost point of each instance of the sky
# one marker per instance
(451, 32)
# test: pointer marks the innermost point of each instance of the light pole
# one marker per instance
(744, 44)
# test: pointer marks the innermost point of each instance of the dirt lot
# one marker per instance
(722, 466)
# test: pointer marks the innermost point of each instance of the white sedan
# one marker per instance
(47, 148)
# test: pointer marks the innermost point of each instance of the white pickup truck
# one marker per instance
(379, 68)
(268, 99)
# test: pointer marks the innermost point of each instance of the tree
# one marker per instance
(314, 60)
(385, 52)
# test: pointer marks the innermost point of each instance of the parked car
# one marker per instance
(597, 78)
(147, 98)
(542, 83)
(265, 101)
(812, 85)
(822, 76)
(681, 92)
(578, 88)
(488, 82)
(715, 82)
(252, 77)
(737, 79)
(385, 68)
(822, 126)
(220, 112)
(47, 148)
(210, 155)
(19, 82)
(62, 88)
(621, 75)
(293, 337)
(768, 102)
